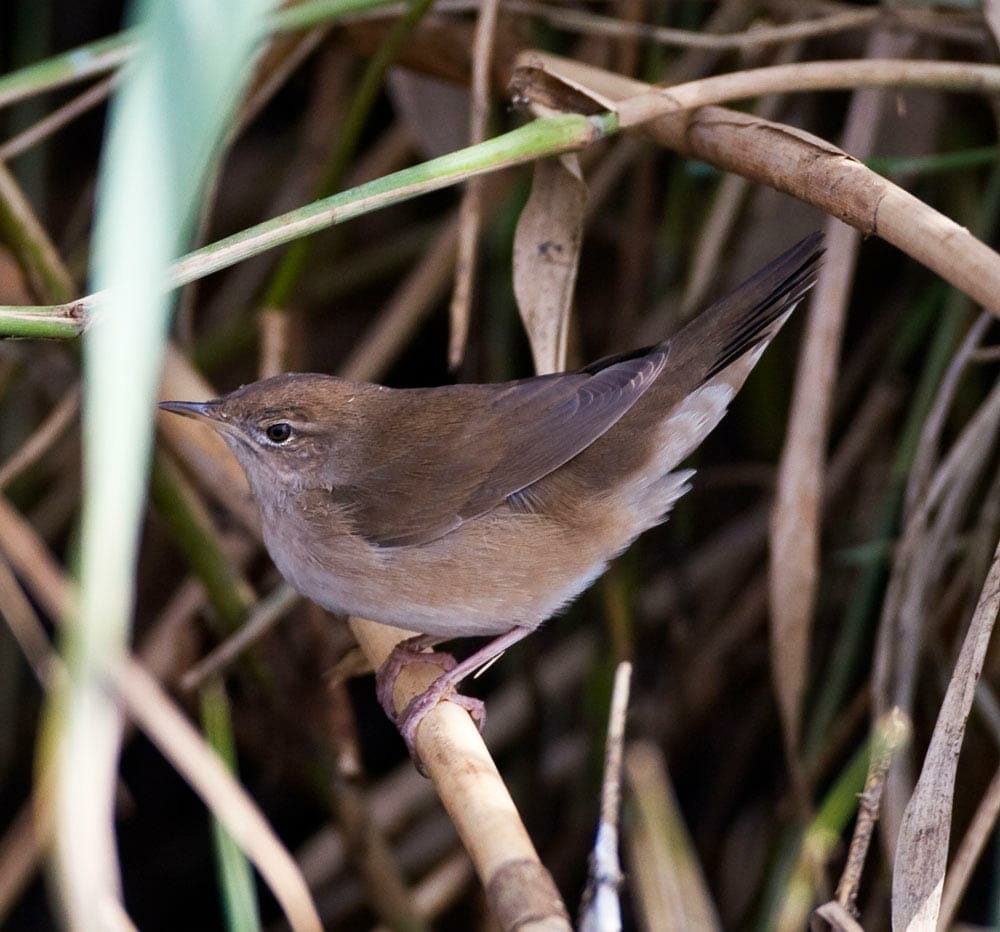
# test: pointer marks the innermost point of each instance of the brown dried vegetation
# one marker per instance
(825, 593)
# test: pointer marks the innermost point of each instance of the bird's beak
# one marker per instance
(196, 409)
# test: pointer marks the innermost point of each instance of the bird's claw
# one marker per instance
(407, 652)
(441, 690)
(412, 651)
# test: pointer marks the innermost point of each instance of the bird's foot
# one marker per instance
(442, 689)
(413, 650)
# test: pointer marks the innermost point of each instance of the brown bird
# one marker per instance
(471, 510)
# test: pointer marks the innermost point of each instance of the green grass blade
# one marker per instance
(107, 54)
(239, 894)
(165, 123)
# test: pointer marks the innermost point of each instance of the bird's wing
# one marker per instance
(446, 456)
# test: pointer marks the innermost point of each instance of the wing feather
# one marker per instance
(499, 439)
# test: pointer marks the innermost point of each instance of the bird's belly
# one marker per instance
(479, 580)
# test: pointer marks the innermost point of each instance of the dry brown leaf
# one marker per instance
(918, 572)
(922, 846)
(546, 257)
(795, 521)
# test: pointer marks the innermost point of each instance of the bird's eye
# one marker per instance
(278, 433)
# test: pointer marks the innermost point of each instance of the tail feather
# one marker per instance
(707, 363)
(764, 299)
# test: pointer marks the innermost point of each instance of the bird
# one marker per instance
(482, 510)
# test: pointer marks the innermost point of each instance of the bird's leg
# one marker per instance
(411, 650)
(444, 686)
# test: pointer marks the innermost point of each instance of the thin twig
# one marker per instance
(891, 732)
(45, 436)
(267, 612)
(601, 908)
(587, 23)
(23, 621)
(32, 559)
(274, 326)
(470, 213)
(413, 299)
(55, 121)
(925, 457)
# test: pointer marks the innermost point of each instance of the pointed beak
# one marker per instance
(197, 409)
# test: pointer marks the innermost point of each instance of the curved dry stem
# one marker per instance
(851, 74)
(813, 170)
